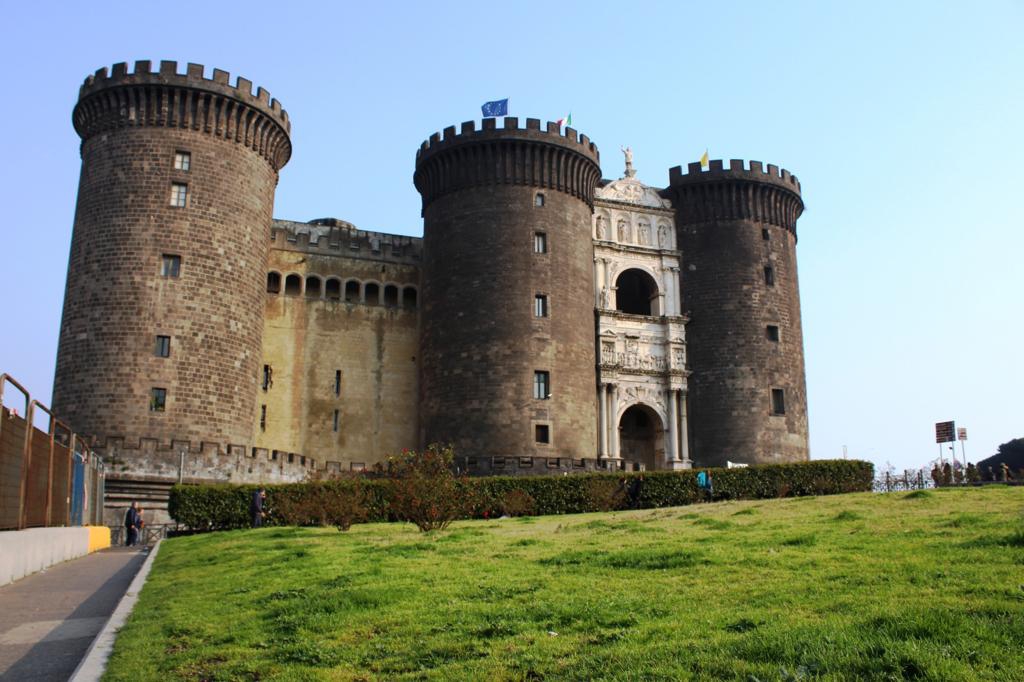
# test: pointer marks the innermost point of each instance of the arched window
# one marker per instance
(273, 282)
(293, 285)
(637, 293)
(391, 295)
(352, 291)
(409, 297)
(312, 287)
(333, 289)
(371, 293)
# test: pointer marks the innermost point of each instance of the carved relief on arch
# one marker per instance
(629, 396)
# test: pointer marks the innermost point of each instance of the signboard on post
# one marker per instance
(961, 433)
(944, 432)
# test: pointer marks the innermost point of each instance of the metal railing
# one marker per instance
(47, 478)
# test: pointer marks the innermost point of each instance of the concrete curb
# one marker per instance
(94, 664)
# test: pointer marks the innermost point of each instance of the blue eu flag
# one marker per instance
(498, 107)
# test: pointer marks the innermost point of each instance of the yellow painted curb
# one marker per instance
(99, 538)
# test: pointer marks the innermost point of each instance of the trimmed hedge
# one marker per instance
(213, 507)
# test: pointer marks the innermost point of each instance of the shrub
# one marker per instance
(424, 489)
(518, 503)
(421, 488)
(337, 503)
(605, 494)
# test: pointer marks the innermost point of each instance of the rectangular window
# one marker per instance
(540, 242)
(540, 305)
(764, 234)
(769, 275)
(538, 200)
(263, 417)
(337, 383)
(170, 265)
(778, 401)
(157, 399)
(182, 161)
(163, 347)
(773, 333)
(179, 194)
(336, 421)
(268, 377)
(541, 385)
(542, 433)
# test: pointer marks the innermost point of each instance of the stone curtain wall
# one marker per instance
(310, 336)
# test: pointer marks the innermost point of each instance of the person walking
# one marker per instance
(132, 521)
(257, 507)
(636, 489)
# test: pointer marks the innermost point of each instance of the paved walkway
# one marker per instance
(49, 619)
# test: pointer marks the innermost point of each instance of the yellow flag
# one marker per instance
(704, 159)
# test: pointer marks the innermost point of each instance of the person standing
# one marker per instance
(257, 507)
(131, 525)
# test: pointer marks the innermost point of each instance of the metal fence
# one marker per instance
(47, 478)
(891, 482)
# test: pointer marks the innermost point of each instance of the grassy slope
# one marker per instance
(915, 585)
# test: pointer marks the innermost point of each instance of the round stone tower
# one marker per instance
(163, 313)
(737, 233)
(507, 339)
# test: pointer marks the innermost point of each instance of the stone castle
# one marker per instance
(547, 321)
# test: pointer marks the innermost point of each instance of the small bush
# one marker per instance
(518, 503)
(605, 494)
(425, 490)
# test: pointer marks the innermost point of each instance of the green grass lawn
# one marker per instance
(926, 585)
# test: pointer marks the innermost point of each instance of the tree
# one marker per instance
(425, 490)
(1012, 449)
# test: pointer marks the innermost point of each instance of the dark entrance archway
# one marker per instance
(641, 436)
(636, 293)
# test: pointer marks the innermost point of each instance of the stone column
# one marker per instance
(613, 420)
(602, 397)
(671, 451)
(684, 438)
(673, 288)
(682, 454)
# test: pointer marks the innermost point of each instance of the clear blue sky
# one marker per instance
(902, 120)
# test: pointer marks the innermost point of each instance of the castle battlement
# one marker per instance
(332, 236)
(757, 172)
(543, 158)
(166, 98)
(202, 461)
(489, 129)
(763, 194)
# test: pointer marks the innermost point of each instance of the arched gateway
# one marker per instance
(642, 436)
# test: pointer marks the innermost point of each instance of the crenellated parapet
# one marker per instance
(155, 459)
(546, 158)
(332, 236)
(763, 194)
(166, 98)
